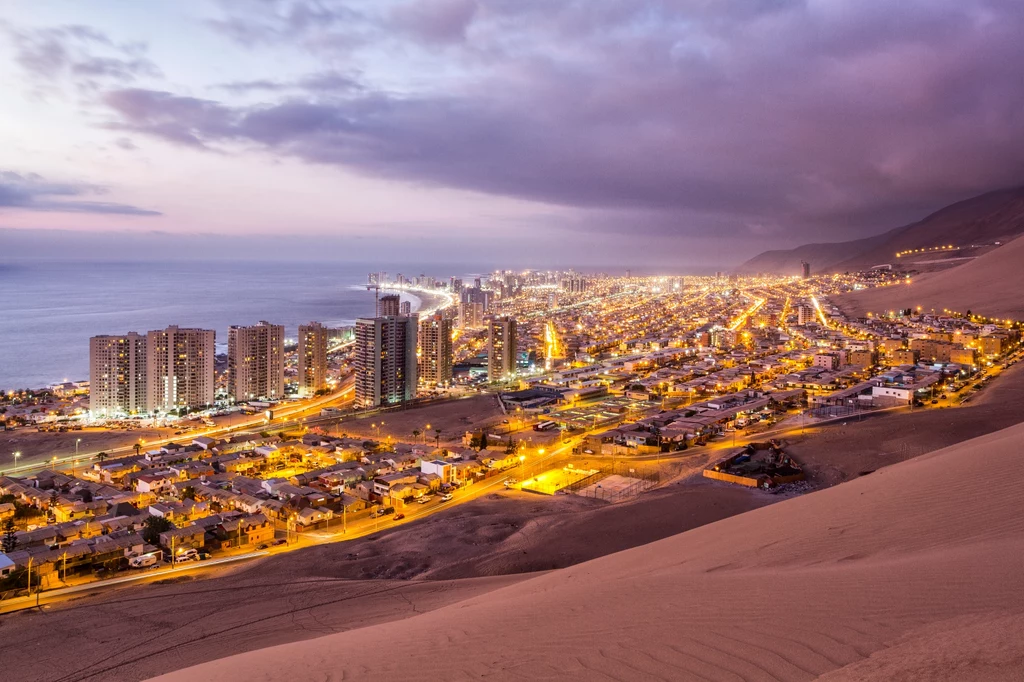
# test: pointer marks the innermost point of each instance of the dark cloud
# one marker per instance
(318, 83)
(706, 114)
(82, 53)
(441, 21)
(32, 192)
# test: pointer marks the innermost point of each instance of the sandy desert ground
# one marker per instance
(911, 572)
(988, 285)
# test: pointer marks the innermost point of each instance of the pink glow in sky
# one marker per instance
(512, 124)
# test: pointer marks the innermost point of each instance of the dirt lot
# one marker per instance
(453, 417)
(38, 446)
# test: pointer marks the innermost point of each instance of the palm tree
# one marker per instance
(101, 456)
(138, 448)
(437, 438)
(416, 433)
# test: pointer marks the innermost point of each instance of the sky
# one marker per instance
(631, 132)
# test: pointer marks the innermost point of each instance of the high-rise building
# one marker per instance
(389, 306)
(256, 362)
(574, 285)
(385, 360)
(805, 269)
(477, 295)
(117, 375)
(501, 348)
(455, 284)
(804, 315)
(471, 315)
(405, 308)
(436, 350)
(312, 358)
(179, 369)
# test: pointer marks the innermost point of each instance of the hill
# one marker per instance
(989, 285)
(908, 573)
(973, 224)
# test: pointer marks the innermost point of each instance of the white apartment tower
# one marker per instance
(312, 358)
(436, 350)
(804, 315)
(385, 360)
(179, 369)
(117, 375)
(256, 362)
(501, 348)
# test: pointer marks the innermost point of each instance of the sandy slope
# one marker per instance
(988, 285)
(909, 573)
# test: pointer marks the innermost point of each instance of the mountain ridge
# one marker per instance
(972, 224)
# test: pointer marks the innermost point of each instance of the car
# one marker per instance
(398, 517)
(446, 497)
(425, 499)
(935, 402)
(279, 541)
(262, 547)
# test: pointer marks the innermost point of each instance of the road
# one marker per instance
(292, 415)
(138, 576)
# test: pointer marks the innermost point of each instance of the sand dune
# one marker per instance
(989, 285)
(909, 573)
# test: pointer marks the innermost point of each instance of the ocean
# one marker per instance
(48, 310)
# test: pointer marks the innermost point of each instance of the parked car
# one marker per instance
(446, 497)
(425, 499)
(143, 561)
(398, 517)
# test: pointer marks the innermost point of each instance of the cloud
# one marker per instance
(842, 116)
(318, 83)
(80, 53)
(32, 192)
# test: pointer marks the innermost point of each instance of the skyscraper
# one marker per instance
(312, 358)
(804, 314)
(805, 269)
(179, 369)
(471, 315)
(389, 306)
(501, 348)
(117, 375)
(256, 362)
(436, 350)
(385, 360)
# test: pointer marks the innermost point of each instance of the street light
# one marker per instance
(16, 456)
(77, 441)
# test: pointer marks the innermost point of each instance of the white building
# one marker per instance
(312, 358)
(179, 369)
(117, 375)
(256, 362)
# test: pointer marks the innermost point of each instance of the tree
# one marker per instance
(511, 447)
(416, 433)
(100, 457)
(189, 493)
(437, 437)
(54, 499)
(153, 526)
(10, 541)
(138, 448)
